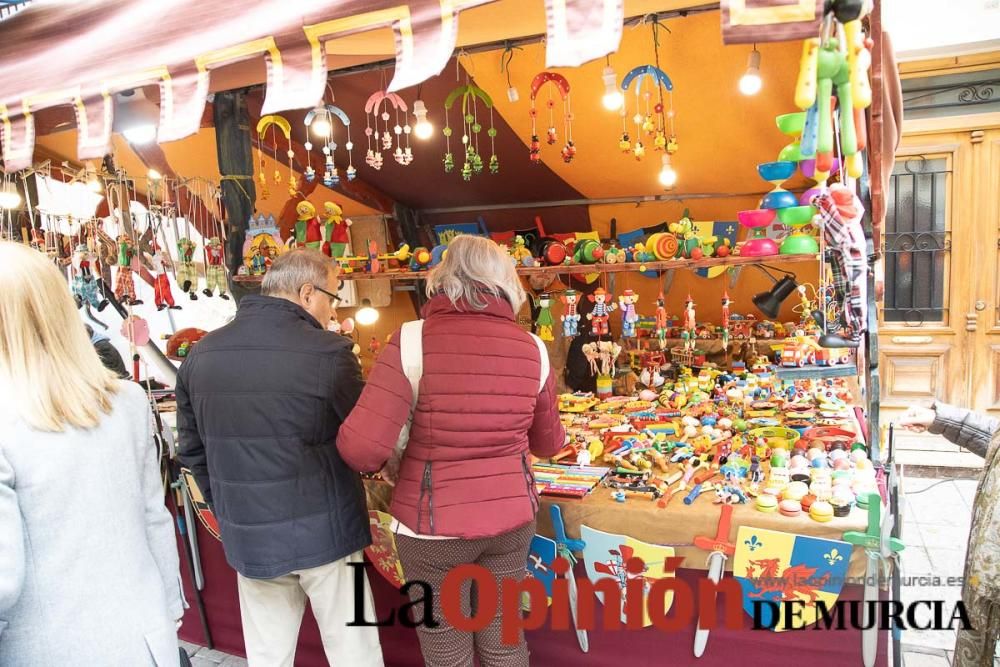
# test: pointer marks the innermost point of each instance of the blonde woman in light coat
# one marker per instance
(88, 559)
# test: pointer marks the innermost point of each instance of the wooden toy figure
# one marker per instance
(690, 324)
(187, 274)
(544, 319)
(335, 226)
(124, 285)
(258, 263)
(661, 321)
(374, 346)
(627, 300)
(215, 271)
(599, 316)
(725, 321)
(307, 229)
(570, 319)
(84, 285)
(161, 282)
(520, 253)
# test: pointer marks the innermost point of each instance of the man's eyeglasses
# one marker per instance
(334, 299)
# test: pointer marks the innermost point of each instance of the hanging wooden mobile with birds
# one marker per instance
(561, 85)
(275, 123)
(377, 108)
(323, 116)
(654, 120)
(471, 95)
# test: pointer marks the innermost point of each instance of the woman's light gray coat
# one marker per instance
(88, 560)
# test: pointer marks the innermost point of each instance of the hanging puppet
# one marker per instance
(124, 284)
(690, 324)
(599, 316)
(661, 321)
(570, 318)
(335, 230)
(187, 274)
(725, 322)
(215, 271)
(84, 285)
(630, 317)
(161, 281)
(544, 320)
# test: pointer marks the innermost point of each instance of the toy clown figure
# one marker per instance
(84, 285)
(571, 318)
(307, 228)
(599, 316)
(544, 320)
(661, 321)
(335, 226)
(725, 321)
(124, 284)
(187, 274)
(161, 282)
(690, 324)
(627, 300)
(215, 271)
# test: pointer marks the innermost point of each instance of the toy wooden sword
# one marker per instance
(721, 549)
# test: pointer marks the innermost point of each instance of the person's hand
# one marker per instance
(917, 419)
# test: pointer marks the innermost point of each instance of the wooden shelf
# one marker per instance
(566, 270)
(813, 372)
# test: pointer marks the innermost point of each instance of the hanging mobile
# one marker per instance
(281, 123)
(320, 120)
(561, 85)
(471, 96)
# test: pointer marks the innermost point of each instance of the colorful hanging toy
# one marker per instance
(725, 321)
(603, 305)
(270, 123)
(325, 115)
(630, 317)
(661, 321)
(377, 108)
(560, 83)
(544, 320)
(570, 318)
(689, 334)
(471, 95)
(654, 122)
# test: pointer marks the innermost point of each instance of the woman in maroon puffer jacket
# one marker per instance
(465, 492)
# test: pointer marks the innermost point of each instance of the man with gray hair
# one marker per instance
(259, 405)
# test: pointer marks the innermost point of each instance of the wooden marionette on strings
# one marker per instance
(690, 324)
(187, 272)
(630, 317)
(599, 316)
(544, 320)
(160, 262)
(725, 322)
(268, 126)
(570, 317)
(561, 85)
(661, 321)
(215, 268)
(84, 285)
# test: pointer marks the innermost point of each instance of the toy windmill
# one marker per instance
(561, 85)
(320, 121)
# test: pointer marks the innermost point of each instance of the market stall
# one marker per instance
(716, 248)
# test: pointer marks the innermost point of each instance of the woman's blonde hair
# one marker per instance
(50, 370)
(473, 265)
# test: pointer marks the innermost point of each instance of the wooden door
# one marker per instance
(940, 316)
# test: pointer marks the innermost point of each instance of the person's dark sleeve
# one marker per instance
(111, 359)
(965, 428)
(368, 436)
(546, 435)
(347, 383)
(190, 449)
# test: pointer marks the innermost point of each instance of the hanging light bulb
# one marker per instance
(366, 315)
(321, 123)
(750, 82)
(153, 175)
(613, 98)
(422, 128)
(668, 177)
(93, 183)
(9, 197)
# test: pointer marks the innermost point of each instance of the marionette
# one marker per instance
(307, 228)
(599, 316)
(840, 212)
(690, 325)
(124, 285)
(570, 319)
(544, 319)
(628, 300)
(187, 274)
(215, 272)
(335, 226)
(725, 321)
(661, 321)
(84, 285)
(161, 281)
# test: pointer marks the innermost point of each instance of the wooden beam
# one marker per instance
(239, 196)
